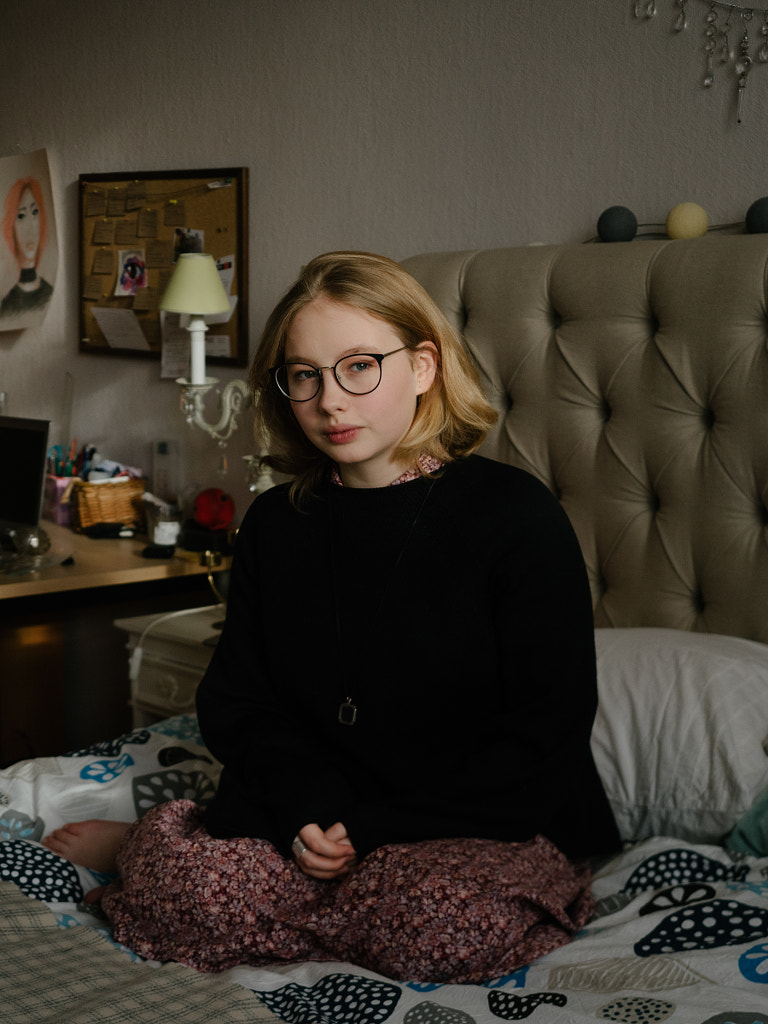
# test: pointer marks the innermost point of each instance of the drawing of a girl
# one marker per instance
(25, 229)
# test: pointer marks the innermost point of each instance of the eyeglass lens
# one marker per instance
(358, 374)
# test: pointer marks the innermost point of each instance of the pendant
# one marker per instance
(347, 712)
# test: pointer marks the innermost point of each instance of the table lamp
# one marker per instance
(195, 288)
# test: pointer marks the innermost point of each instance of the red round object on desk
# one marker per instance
(213, 509)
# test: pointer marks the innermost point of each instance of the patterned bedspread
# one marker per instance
(681, 932)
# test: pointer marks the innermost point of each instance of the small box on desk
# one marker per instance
(53, 508)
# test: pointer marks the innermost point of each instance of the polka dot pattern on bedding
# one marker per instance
(676, 867)
(40, 874)
(334, 1000)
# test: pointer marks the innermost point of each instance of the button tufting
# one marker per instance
(708, 417)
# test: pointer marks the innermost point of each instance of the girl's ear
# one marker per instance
(425, 364)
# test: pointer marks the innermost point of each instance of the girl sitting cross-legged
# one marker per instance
(403, 692)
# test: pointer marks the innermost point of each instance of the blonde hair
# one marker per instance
(452, 417)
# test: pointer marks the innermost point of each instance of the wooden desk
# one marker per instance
(63, 666)
(95, 563)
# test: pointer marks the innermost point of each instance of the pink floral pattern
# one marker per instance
(458, 910)
(428, 463)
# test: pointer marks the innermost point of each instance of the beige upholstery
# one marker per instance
(632, 378)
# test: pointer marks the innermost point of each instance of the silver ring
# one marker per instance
(298, 847)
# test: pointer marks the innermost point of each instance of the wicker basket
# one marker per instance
(108, 502)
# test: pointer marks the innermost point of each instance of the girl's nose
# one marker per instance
(332, 395)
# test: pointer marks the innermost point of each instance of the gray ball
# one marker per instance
(617, 224)
(757, 217)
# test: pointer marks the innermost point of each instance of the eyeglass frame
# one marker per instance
(378, 356)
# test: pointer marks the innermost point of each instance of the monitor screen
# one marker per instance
(23, 450)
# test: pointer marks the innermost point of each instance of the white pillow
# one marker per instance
(681, 733)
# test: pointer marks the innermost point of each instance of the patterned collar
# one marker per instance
(427, 464)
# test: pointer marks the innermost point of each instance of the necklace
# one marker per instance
(348, 710)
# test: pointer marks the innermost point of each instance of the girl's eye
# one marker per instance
(359, 365)
(300, 376)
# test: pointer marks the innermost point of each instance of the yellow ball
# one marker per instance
(687, 220)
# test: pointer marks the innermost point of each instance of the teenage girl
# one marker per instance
(403, 692)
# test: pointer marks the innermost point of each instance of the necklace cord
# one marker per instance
(347, 713)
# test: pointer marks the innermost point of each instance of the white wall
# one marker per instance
(398, 126)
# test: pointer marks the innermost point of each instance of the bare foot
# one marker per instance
(93, 843)
(94, 895)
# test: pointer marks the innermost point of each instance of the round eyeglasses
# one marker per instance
(359, 374)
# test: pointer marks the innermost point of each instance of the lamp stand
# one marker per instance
(234, 398)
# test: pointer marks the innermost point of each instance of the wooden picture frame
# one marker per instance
(132, 226)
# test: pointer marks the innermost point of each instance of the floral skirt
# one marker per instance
(448, 910)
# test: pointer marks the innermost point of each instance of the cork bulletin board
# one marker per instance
(133, 225)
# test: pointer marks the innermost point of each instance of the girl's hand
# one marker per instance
(324, 855)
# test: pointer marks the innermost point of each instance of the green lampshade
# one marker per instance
(195, 287)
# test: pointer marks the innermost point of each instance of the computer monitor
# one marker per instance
(23, 452)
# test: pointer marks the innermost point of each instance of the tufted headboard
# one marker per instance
(632, 378)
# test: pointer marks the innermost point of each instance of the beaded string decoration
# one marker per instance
(718, 49)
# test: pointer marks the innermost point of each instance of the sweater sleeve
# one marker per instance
(539, 749)
(276, 777)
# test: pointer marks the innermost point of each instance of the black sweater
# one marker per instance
(464, 639)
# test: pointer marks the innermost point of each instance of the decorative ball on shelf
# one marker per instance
(687, 220)
(617, 224)
(757, 217)
(213, 509)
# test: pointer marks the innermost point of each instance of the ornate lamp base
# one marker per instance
(233, 400)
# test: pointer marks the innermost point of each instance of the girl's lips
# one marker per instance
(342, 435)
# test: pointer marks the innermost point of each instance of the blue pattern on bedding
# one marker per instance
(106, 771)
(515, 980)
(17, 825)
(753, 964)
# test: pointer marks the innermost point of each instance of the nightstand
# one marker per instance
(174, 653)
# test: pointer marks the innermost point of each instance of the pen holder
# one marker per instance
(54, 507)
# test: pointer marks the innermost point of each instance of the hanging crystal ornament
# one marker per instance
(717, 43)
(645, 8)
(681, 21)
(725, 46)
(762, 53)
(710, 34)
(744, 63)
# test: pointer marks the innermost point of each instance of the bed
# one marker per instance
(633, 379)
